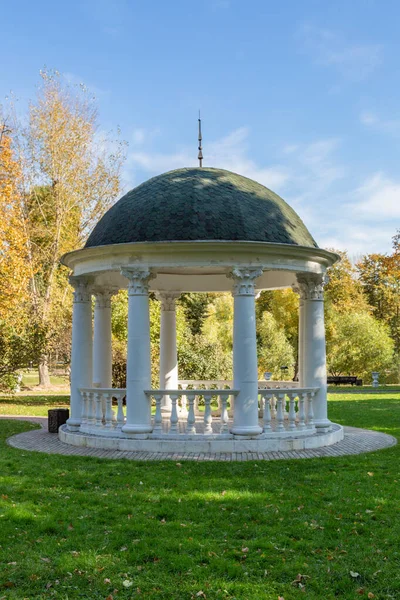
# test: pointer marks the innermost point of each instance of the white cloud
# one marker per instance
(378, 198)
(352, 61)
(373, 121)
(229, 152)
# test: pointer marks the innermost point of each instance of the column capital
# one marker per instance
(311, 286)
(139, 279)
(103, 296)
(167, 300)
(82, 288)
(244, 280)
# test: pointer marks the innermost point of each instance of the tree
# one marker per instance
(14, 275)
(344, 290)
(358, 344)
(70, 179)
(274, 349)
(380, 276)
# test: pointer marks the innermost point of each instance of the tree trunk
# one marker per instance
(44, 376)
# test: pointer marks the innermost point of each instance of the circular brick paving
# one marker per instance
(356, 441)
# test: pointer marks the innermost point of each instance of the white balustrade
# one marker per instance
(210, 419)
(286, 412)
(300, 414)
(97, 410)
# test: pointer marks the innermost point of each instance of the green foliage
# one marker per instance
(358, 344)
(196, 308)
(198, 358)
(274, 349)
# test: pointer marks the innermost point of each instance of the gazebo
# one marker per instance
(196, 230)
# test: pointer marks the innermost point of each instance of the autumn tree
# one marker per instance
(71, 177)
(380, 276)
(14, 275)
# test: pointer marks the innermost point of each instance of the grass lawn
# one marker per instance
(32, 405)
(76, 527)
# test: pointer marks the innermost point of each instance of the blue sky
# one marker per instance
(301, 96)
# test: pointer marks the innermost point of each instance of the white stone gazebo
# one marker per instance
(196, 230)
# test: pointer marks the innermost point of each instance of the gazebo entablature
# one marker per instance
(246, 408)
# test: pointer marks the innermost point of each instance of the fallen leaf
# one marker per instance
(245, 549)
(371, 595)
(370, 474)
(223, 492)
(123, 549)
(354, 574)
(178, 464)
(70, 527)
(360, 591)
(110, 597)
(127, 583)
(12, 563)
(201, 594)
(281, 598)
(107, 580)
(45, 559)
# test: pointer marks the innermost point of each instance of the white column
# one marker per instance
(314, 363)
(81, 350)
(168, 352)
(102, 346)
(138, 364)
(245, 371)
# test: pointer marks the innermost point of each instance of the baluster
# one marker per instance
(174, 414)
(99, 409)
(273, 406)
(292, 410)
(84, 408)
(120, 410)
(207, 414)
(184, 411)
(158, 416)
(310, 412)
(91, 410)
(224, 412)
(267, 413)
(301, 413)
(191, 419)
(109, 414)
(280, 412)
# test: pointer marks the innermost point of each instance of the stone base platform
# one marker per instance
(355, 441)
(203, 443)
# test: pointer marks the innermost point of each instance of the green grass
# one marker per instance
(32, 405)
(76, 527)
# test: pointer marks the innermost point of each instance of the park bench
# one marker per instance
(344, 380)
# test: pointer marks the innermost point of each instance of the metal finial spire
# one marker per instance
(200, 154)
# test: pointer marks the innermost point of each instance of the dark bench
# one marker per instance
(344, 380)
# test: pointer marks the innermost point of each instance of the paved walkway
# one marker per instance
(356, 441)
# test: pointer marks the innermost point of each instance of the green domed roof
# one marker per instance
(200, 204)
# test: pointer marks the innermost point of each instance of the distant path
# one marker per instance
(356, 441)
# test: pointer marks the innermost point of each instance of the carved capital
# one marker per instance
(244, 280)
(82, 288)
(138, 280)
(103, 296)
(167, 300)
(311, 286)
